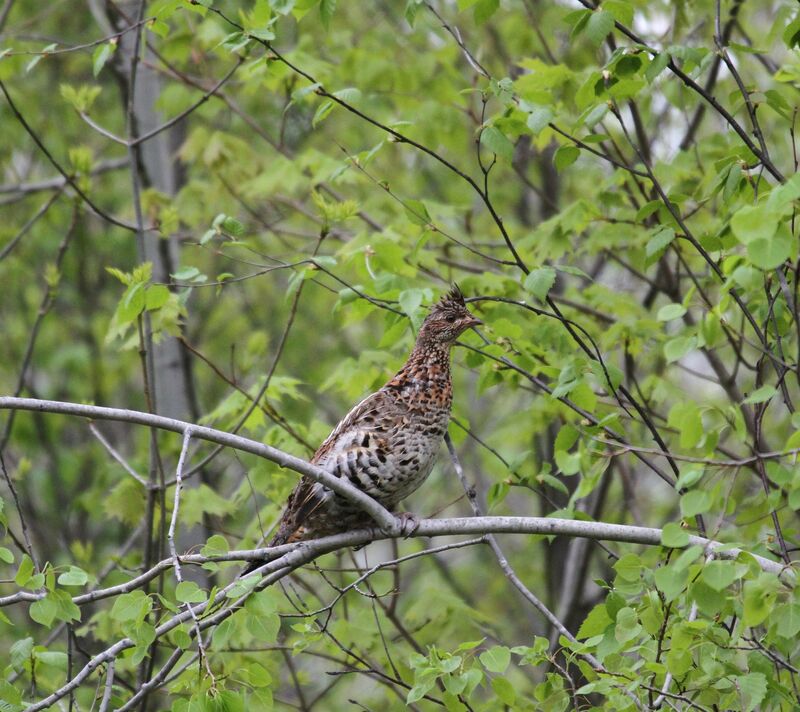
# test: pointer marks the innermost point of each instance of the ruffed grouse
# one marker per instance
(387, 444)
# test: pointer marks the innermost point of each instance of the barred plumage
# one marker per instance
(387, 444)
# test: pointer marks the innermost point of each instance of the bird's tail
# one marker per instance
(283, 536)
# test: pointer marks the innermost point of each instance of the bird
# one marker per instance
(387, 444)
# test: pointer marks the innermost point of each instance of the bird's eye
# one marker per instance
(451, 319)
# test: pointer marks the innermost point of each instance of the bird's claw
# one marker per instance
(409, 523)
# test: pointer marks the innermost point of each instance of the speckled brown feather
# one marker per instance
(387, 444)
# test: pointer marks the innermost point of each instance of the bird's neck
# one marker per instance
(427, 365)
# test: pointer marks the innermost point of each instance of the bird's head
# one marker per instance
(448, 318)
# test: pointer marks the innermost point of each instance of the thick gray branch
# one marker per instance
(384, 518)
(288, 557)
(600, 531)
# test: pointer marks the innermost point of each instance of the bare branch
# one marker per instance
(341, 487)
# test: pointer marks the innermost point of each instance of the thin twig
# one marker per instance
(67, 177)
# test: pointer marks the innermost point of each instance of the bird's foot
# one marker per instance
(409, 523)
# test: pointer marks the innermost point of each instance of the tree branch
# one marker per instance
(342, 487)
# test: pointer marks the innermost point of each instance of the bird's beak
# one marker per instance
(473, 321)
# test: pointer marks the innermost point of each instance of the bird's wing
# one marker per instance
(375, 414)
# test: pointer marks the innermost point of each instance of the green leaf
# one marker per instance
(539, 117)
(158, 27)
(504, 690)
(778, 474)
(599, 25)
(157, 296)
(264, 33)
(761, 395)
(759, 598)
(322, 112)
(495, 141)
(38, 58)
(674, 536)
(410, 301)
(540, 281)
(101, 55)
(670, 312)
(553, 482)
(675, 349)
(468, 645)
(791, 35)
(181, 638)
(232, 226)
(720, 574)
(216, 545)
(44, 611)
(565, 156)
(6, 556)
(326, 10)
(497, 492)
(753, 222)
(53, 658)
(189, 592)
(695, 502)
(73, 576)
(188, 274)
(732, 182)
(657, 65)
(577, 20)
(80, 98)
(783, 196)
(595, 623)
(202, 500)
(679, 661)
(132, 303)
(689, 477)
(661, 239)
(496, 659)
(282, 7)
(21, 652)
(786, 619)
(568, 463)
(622, 11)
(574, 271)
(417, 213)
(349, 95)
(258, 676)
(753, 687)
(236, 42)
(57, 604)
(627, 66)
(770, 253)
(410, 13)
(687, 557)
(670, 581)
(264, 627)
(143, 634)
(629, 567)
(25, 571)
(416, 693)
(627, 625)
(484, 9)
(567, 436)
(131, 606)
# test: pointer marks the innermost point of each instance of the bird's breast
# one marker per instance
(392, 466)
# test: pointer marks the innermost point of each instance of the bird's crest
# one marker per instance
(453, 300)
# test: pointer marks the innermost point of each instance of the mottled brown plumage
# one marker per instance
(387, 444)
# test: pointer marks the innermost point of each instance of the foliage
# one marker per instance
(235, 213)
